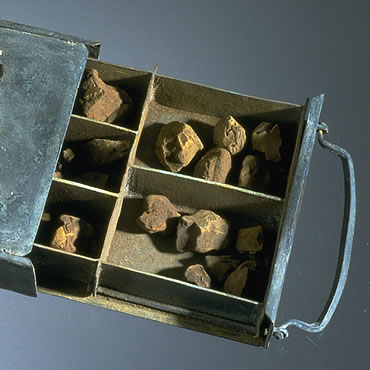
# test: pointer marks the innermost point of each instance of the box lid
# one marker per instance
(39, 78)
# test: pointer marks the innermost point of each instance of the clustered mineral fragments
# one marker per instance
(178, 145)
(206, 233)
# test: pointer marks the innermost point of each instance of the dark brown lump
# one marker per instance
(72, 231)
(254, 175)
(159, 215)
(250, 239)
(202, 232)
(266, 138)
(176, 145)
(237, 279)
(101, 101)
(215, 165)
(220, 266)
(198, 275)
(230, 135)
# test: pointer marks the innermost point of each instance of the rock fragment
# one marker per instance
(159, 215)
(69, 230)
(215, 165)
(253, 175)
(198, 275)
(266, 139)
(100, 152)
(176, 145)
(230, 135)
(250, 239)
(236, 281)
(103, 102)
(219, 266)
(201, 232)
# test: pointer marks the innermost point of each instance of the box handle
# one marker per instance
(348, 227)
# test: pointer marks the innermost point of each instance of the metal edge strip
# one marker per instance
(291, 210)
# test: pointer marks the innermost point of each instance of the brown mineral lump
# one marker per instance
(101, 152)
(176, 145)
(198, 275)
(266, 139)
(95, 179)
(70, 229)
(250, 239)
(102, 102)
(159, 215)
(201, 232)
(215, 165)
(253, 175)
(236, 281)
(219, 266)
(230, 135)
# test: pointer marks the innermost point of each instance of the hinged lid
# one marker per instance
(38, 84)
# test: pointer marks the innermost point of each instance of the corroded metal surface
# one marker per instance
(37, 92)
(292, 208)
(92, 46)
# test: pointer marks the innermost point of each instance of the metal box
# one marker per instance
(126, 269)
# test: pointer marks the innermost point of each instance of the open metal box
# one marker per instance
(126, 269)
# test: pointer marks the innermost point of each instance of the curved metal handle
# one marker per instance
(348, 227)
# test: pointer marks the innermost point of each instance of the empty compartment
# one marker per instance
(127, 81)
(84, 232)
(95, 154)
(202, 107)
(63, 272)
(138, 250)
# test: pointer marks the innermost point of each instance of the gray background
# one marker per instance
(284, 50)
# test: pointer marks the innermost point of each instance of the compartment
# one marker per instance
(133, 81)
(91, 161)
(63, 272)
(182, 298)
(94, 207)
(155, 254)
(201, 107)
